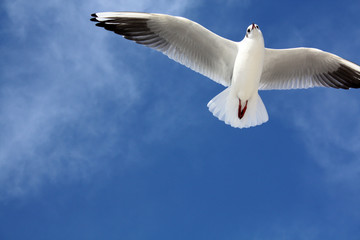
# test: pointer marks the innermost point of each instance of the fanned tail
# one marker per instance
(225, 107)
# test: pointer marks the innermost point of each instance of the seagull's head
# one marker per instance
(253, 31)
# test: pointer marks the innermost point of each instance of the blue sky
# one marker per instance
(102, 138)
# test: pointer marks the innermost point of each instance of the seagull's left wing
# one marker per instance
(180, 39)
(306, 68)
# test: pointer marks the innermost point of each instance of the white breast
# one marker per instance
(248, 68)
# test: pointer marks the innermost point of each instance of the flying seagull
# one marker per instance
(243, 67)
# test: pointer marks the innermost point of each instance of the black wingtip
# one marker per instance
(100, 24)
(94, 20)
(94, 15)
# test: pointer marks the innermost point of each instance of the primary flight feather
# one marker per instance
(243, 67)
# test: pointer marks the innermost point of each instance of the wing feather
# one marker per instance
(179, 38)
(305, 68)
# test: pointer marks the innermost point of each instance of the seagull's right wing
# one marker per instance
(179, 38)
(307, 67)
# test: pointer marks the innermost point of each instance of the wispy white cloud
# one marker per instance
(332, 134)
(327, 122)
(57, 70)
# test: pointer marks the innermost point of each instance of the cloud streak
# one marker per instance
(333, 138)
(58, 82)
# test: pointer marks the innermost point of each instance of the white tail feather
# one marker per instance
(225, 107)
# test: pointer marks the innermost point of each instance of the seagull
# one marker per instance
(243, 67)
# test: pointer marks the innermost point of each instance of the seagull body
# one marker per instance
(243, 67)
(245, 81)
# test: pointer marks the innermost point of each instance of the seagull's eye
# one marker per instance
(248, 30)
(257, 26)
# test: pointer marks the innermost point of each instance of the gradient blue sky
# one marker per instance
(102, 138)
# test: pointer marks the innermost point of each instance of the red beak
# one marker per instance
(253, 26)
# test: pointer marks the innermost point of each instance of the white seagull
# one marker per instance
(243, 67)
